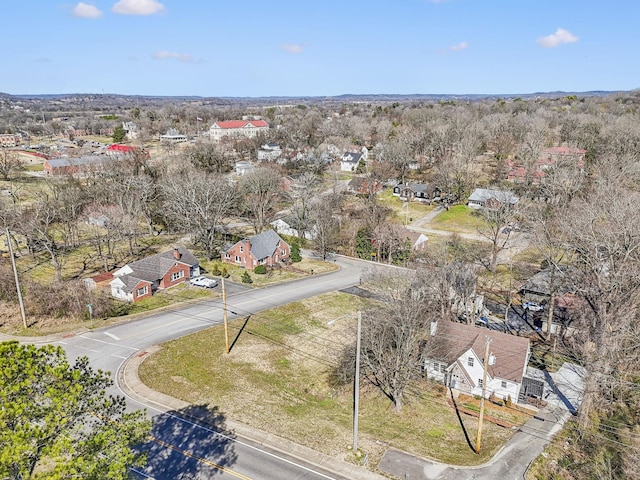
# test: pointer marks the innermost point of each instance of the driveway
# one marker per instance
(563, 392)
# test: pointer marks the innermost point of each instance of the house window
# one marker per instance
(283, 252)
(177, 275)
(241, 249)
(443, 368)
(436, 366)
(226, 255)
(503, 384)
(237, 259)
(470, 361)
(480, 382)
(142, 291)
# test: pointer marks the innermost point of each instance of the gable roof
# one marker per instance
(540, 283)
(484, 194)
(453, 339)
(231, 124)
(350, 157)
(88, 160)
(264, 244)
(156, 266)
(120, 148)
(130, 282)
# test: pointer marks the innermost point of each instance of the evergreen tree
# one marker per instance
(295, 253)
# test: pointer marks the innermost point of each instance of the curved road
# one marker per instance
(186, 449)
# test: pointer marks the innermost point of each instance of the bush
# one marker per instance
(66, 299)
(295, 253)
(215, 270)
(8, 291)
(260, 269)
(224, 273)
(246, 278)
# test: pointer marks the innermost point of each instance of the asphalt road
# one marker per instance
(181, 447)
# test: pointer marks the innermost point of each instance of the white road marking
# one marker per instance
(108, 334)
(109, 343)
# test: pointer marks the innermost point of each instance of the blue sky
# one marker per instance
(250, 48)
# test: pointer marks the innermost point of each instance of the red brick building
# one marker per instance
(266, 248)
(140, 279)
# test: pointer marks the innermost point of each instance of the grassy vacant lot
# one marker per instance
(277, 378)
(458, 219)
(401, 211)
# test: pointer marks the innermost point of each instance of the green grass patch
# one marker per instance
(459, 218)
(403, 212)
(34, 168)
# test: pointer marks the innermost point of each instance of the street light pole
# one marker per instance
(15, 275)
(356, 387)
(224, 316)
(484, 392)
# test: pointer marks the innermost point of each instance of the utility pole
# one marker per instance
(224, 316)
(356, 387)
(15, 275)
(484, 391)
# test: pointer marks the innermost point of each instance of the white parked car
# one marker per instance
(203, 281)
(533, 306)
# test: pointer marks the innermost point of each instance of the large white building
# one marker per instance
(240, 128)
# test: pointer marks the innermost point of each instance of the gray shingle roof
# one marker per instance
(130, 282)
(154, 267)
(483, 194)
(264, 244)
(89, 160)
(541, 282)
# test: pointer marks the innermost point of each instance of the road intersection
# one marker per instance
(196, 442)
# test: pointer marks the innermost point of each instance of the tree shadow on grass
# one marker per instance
(190, 443)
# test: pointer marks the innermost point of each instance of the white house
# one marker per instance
(283, 226)
(350, 160)
(269, 152)
(243, 168)
(173, 136)
(482, 197)
(454, 356)
(238, 128)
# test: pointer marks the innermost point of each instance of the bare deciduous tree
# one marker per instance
(260, 191)
(10, 163)
(199, 204)
(495, 221)
(391, 338)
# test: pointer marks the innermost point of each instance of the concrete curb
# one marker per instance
(130, 383)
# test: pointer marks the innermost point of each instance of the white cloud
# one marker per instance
(166, 55)
(84, 10)
(561, 36)
(138, 7)
(291, 48)
(459, 46)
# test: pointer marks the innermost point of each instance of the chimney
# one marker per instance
(176, 254)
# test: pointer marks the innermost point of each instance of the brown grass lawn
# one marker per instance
(276, 378)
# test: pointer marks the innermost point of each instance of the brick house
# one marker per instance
(266, 248)
(364, 186)
(140, 279)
